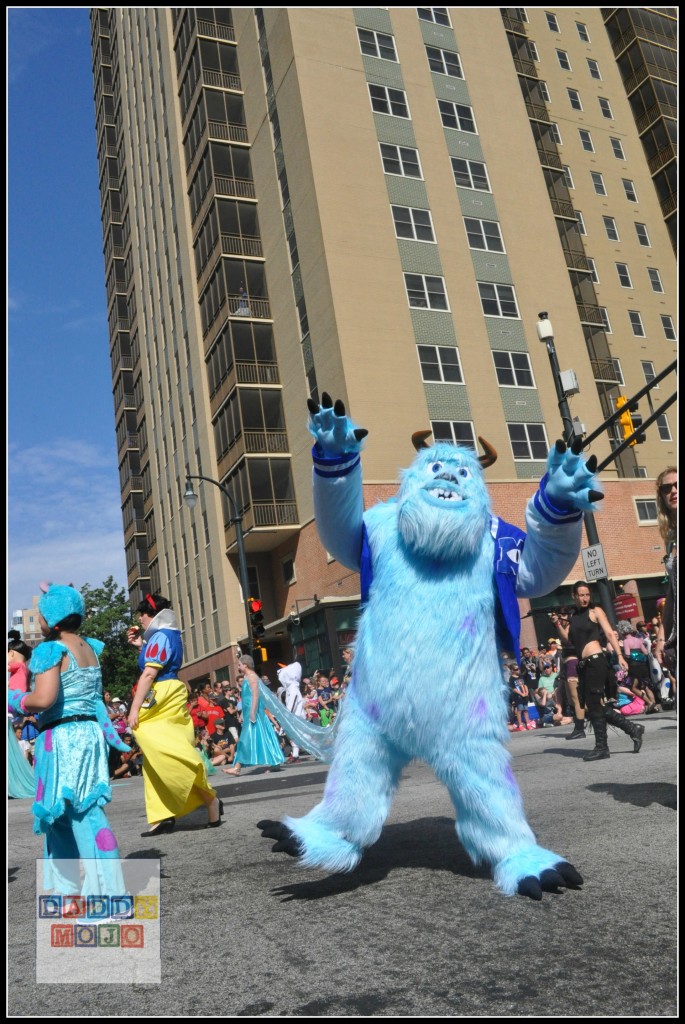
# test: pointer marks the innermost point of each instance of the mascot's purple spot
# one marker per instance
(105, 840)
(433, 556)
(510, 778)
(40, 789)
(47, 742)
(468, 626)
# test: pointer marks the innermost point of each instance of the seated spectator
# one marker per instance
(131, 763)
(326, 705)
(232, 719)
(220, 745)
(23, 744)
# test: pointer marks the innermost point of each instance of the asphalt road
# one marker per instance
(415, 930)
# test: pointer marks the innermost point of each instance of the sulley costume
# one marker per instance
(427, 685)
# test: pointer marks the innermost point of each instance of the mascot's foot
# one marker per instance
(532, 871)
(287, 840)
(551, 880)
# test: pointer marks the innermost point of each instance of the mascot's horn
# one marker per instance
(418, 439)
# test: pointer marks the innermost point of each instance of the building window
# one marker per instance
(513, 369)
(555, 133)
(544, 92)
(457, 115)
(412, 223)
(454, 431)
(629, 189)
(655, 279)
(533, 50)
(388, 101)
(483, 234)
(401, 160)
(617, 147)
(648, 371)
(646, 510)
(594, 69)
(616, 363)
(444, 62)
(528, 441)
(574, 99)
(564, 62)
(253, 581)
(377, 44)
(663, 428)
(498, 300)
(288, 570)
(568, 178)
(611, 229)
(583, 32)
(594, 276)
(598, 182)
(470, 174)
(605, 107)
(669, 329)
(605, 319)
(425, 292)
(438, 15)
(640, 471)
(440, 363)
(586, 140)
(642, 236)
(636, 323)
(581, 223)
(624, 275)
(552, 22)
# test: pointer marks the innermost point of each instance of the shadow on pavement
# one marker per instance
(436, 849)
(641, 794)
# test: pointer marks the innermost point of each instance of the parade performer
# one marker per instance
(290, 678)
(20, 780)
(258, 743)
(173, 771)
(72, 777)
(440, 577)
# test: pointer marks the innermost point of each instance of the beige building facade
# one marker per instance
(376, 203)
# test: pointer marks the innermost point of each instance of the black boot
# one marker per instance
(632, 729)
(601, 750)
(578, 729)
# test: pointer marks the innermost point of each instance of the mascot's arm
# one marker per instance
(554, 519)
(337, 480)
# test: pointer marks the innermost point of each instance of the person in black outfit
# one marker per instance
(594, 672)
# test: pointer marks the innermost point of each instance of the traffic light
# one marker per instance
(256, 621)
(625, 419)
(637, 423)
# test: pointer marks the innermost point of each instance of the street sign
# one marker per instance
(594, 564)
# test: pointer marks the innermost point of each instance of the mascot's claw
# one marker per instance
(287, 840)
(562, 875)
(333, 429)
(570, 482)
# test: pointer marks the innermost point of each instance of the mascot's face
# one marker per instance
(444, 506)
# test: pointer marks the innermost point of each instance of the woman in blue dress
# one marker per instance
(71, 769)
(20, 781)
(258, 742)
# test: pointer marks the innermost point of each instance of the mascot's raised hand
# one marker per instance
(431, 687)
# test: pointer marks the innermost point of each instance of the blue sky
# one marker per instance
(64, 519)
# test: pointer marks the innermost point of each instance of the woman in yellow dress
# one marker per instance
(173, 771)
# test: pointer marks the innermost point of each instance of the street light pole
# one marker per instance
(190, 498)
(546, 334)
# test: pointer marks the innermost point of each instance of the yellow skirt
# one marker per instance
(173, 770)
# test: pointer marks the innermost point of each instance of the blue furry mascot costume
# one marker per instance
(428, 687)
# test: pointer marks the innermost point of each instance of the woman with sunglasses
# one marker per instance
(173, 771)
(666, 648)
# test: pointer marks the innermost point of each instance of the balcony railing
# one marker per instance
(274, 513)
(538, 111)
(227, 131)
(590, 314)
(669, 204)
(562, 208)
(604, 370)
(210, 28)
(576, 260)
(248, 306)
(550, 158)
(525, 67)
(656, 111)
(221, 80)
(513, 24)
(663, 157)
(266, 442)
(241, 245)
(241, 188)
(257, 373)
(630, 34)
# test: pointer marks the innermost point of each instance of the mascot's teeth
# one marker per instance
(446, 495)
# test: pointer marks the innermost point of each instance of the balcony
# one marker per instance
(576, 260)
(243, 373)
(604, 370)
(221, 80)
(550, 158)
(249, 246)
(266, 442)
(214, 31)
(220, 187)
(128, 442)
(134, 527)
(140, 570)
(525, 67)
(561, 208)
(248, 306)
(669, 205)
(590, 314)
(663, 157)
(278, 520)
(657, 110)
(131, 484)
(631, 34)
(513, 24)
(538, 112)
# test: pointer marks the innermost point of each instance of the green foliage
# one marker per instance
(108, 616)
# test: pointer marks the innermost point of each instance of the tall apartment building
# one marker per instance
(376, 203)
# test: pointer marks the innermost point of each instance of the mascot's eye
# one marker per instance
(465, 473)
(436, 467)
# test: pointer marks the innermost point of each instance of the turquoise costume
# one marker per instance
(258, 742)
(72, 780)
(20, 781)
